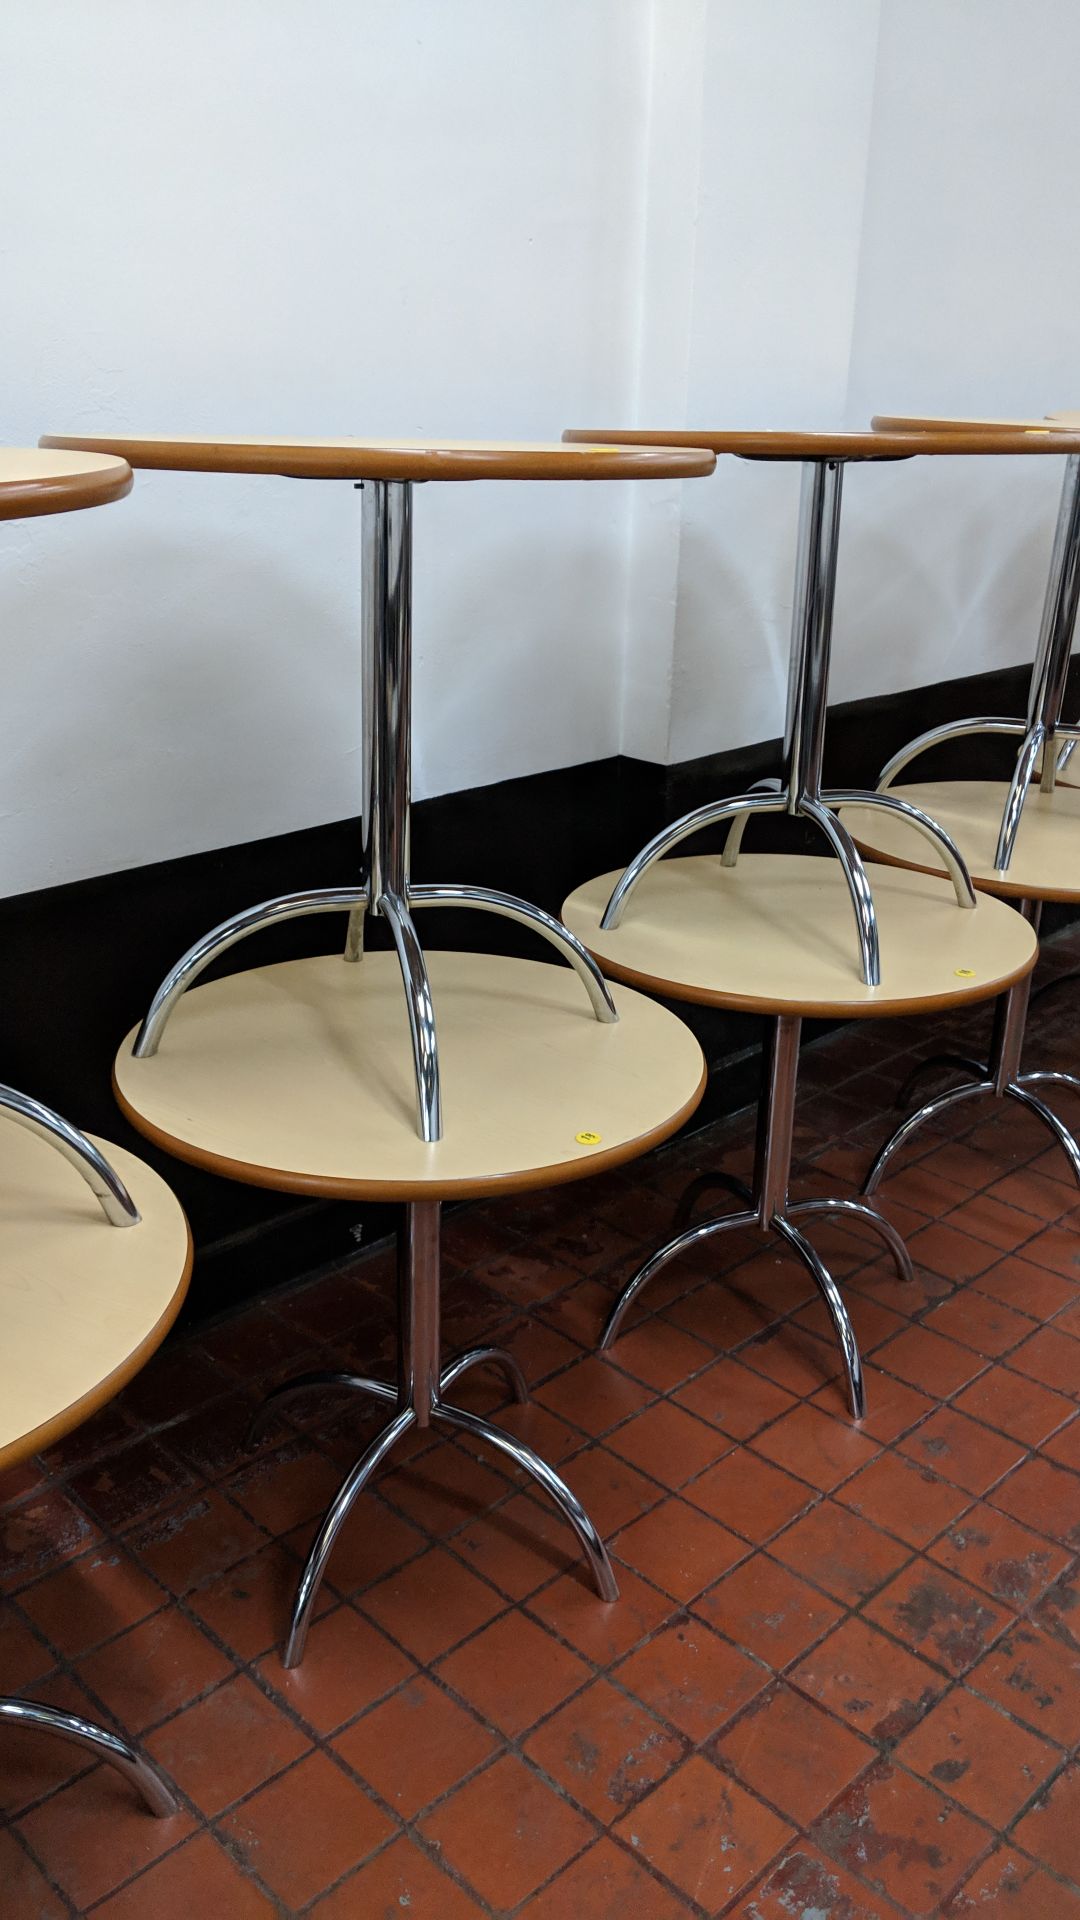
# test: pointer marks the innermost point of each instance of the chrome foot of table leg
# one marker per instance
(858, 1210)
(486, 1356)
(320, 1380)
(100, 1744)
(644, 1274)
(552, 1483)
(909, 1127)
(838, 1313)
(333, 1520)
(938, 1063)
(1044, 1076)
(508, 907)
(89, 1162)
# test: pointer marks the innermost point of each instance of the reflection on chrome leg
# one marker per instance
(554, 1486)
(838, 1313)
(486, 1356)
(88, 1161)
(862, 900)
(414, 975)
(858, 1210)
(660, 1259)
(945, 845)
(696, 822)
(907, 1128)
(320, 1380)
(510, 908)
(99, 1743)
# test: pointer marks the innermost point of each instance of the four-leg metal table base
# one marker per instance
(1000, 1080)
(419, 1401)
(766, 1206)
(98, 1743)
(386, 890)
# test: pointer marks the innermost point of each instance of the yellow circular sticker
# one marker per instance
(587, 1139)
(964, 973)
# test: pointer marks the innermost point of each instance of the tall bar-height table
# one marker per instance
(298, 1077)
(386, 472)
(83, 1303)
(1046, 741)
(769, 936)
(1045, 865)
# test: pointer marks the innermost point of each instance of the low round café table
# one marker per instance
(1047, 742)
(386, 471)
(298, 1076)
(798, 792)
(1045, 866)
(92, 1275)
(769, 936)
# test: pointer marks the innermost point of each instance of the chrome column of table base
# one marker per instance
(98, 1743)
(1001, 1079)
(768, 1208)
(385, 888)
(798, 792)
(1046, 744)
(419, 1401)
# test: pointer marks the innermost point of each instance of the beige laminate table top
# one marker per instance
(776, 934)
(347, 458)
(299, 1076)
(1046, 858)
(779, 444)
(83, 1304)
(34, 481)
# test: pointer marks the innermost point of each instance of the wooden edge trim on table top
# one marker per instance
(945, 423)
(809, 1009)
(999, 885)
(90, 1403)
(871, 445)
(357, 459)
(29, 488)
(321, 1187)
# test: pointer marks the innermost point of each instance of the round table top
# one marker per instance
(299, 1076)
(775, 934)
(83, 1304)
(1046, 858)
(346, 458)
(945, 423)
(877, 445)
(33, 481)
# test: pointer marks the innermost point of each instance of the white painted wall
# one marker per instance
(499, 217)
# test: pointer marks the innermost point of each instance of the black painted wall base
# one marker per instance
(78, 964)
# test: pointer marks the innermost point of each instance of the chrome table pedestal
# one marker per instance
(385, 889)
(798, 792)
(1046, 742)
(767, 1208)
(1001, 1079)
(419, 1400)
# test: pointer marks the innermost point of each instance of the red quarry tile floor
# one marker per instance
(843, 1678)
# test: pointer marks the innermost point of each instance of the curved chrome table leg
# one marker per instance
(334, 1519)
(1045, 1075)
(660, 1259)
(937, 736)
(1016, 1091)
(554, 1486)
(509, 907)
(425, 1048)
(838, 1313)
(860, 1211)
(1017, 794)
(323, 1377)
(955, 865)
(100, 1743)
(288, 906)
(486, 1356)
(862, 900)
(104, 1182)
(940, 1104)
(733, 843)
(696, 822)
